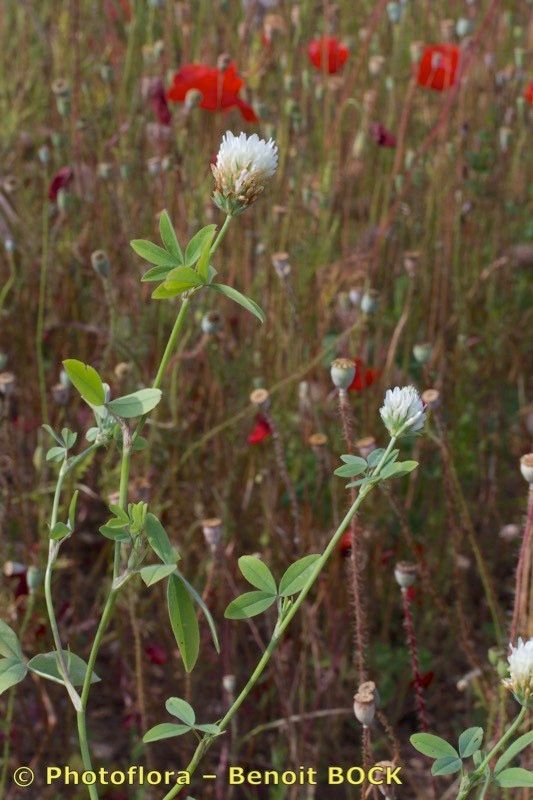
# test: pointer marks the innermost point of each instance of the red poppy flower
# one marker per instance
(220, 89)
(528, 93)
(382, 136)
(156, 653)
(260, 431)
(438, 66)
(330, 48)
(364, 376)
(61, 180)
(116, 10)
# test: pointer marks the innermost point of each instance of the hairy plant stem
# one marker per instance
(470, 781)
(283, 623)
(43, 278)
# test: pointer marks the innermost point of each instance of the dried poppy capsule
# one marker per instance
(228, 684)
(431, 398)
(211, 323)
(342, 372)
(369, 301)
(212, 530)
(281, 263)
(405, 574)
(366, 445)
(260, 398)
(411, 259)
(60, 394)
(364, 703)
(526, 466)
(317, 441)
(7, 383)
(100, 263)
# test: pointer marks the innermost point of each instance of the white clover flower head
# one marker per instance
(520, 680)
(244, 164)
(403, 411)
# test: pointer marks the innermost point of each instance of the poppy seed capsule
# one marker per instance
(394, 12)
(211, 323)
(375, 64)
(405, 574)
(342, 373)
(364, 707)
(317, 441)
(212, 530)
(13, 569)
(281, 263)
(10, 184)
(34, 579)
(260, 398)
(526, 466)
(7, 383)
(422, 352)
(61, 88)
(193, 98)
(104, 170)
(431, 398)
(369, 302)
(223, 61)
(100, 263)
(60, 394)
(9, 245)
(228, 684)
(463, 27)
(366, 445)
(380, 771)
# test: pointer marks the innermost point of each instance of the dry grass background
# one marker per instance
(438, 227)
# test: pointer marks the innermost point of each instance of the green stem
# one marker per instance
(283, 624)
(6, 288)
(221, 234)
(475, 776)
(169, 349)
(85, 752)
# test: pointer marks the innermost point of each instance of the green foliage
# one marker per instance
(470, 741)
(158, 540)
(258, 574)
(86, 380)
(515, 778)
(13, 667)
(183, 621)
(47, 666)
(240, 299)
(433, 746)
(356, 465)
(135, 404)
(513, 750)
(296, 576)
(185, 713)
(156, 572)
(249, 605)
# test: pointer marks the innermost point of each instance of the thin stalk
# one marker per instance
(283, 623)
(43, 278)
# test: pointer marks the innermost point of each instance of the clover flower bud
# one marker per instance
(7, 383)
(212, 530)
(243, 165)
(422, 352)
(100, 263)
(526, 467)
(402, 411)
(342, 373)
(405, 574)
(520, 680)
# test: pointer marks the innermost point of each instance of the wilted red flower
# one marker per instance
(330, 48)
(61, 180)
(382, 136)
(158, 101)
(528, 93)
(437, 68)
(345, 543)
(260, 431)
(424, 680)
(219, 89)
(364, 376)
(156, 653)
